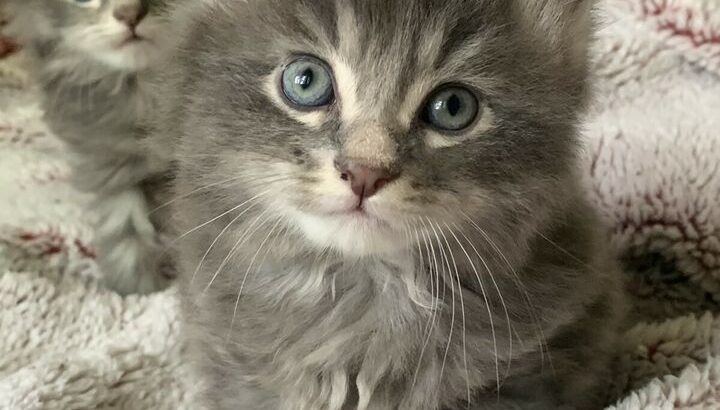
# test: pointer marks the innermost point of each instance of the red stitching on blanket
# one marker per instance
(668, 17)
(85, 250)
(53, 243)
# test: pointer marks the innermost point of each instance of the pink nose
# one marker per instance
(365, 181)
(130, 14)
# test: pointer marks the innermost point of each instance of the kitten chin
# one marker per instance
(356, 235)
(121, 50)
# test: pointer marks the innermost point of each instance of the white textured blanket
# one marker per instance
(652, 168)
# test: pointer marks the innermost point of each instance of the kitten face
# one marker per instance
(124, 34)
(363, 122)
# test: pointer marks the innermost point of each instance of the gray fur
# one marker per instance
(406, 313)
(95, 100)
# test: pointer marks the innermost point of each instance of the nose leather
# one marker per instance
(131, 14)
(365, 181)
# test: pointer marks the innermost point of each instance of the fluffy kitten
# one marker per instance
(382, 205)
(90, 57)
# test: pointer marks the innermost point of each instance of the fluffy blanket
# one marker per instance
(653, 150)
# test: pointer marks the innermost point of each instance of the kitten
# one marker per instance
(382, 205)
(91, 55)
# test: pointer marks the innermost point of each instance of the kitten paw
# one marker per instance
(132, 267)
(130, 254)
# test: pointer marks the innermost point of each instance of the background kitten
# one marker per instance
(383, 207)
(91, 57)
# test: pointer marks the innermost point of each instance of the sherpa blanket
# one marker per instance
(652, 158)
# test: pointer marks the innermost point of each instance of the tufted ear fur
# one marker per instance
(565, 25)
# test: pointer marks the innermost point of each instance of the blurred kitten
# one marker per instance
(91, 56)
(385, 207)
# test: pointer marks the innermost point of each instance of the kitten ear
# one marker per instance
(566, 24)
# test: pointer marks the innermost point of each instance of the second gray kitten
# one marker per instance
(384, 206)
(90, 56)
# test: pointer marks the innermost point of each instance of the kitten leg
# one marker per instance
(127, 243)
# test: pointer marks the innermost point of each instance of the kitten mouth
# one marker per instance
(358, 212)
(132, 39)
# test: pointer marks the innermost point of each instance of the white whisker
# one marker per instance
(435, 292)
(247, 272)
(247, 234)
(194, 191)
(217, 238)
(444, 258)
(565, 251)
(235, 208)
(279, 235)
(502, 299)
(523, 290)
(487, 305)
(462, 310)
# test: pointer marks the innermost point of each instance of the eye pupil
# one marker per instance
(453, 105)
(451, 108)
(305, 79)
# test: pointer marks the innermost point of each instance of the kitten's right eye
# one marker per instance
(307, 82)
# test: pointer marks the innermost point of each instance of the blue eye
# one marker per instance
(307, 82)
(451, 108)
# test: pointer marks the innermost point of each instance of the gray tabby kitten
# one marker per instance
(382, 206)
(90, 57)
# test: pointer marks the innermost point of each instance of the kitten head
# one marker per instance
(122, 34)
(365, 125)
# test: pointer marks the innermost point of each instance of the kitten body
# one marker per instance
(89, 66)
(473, 275)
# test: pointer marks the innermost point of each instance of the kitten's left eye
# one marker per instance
(307, 82)
(451, 108)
